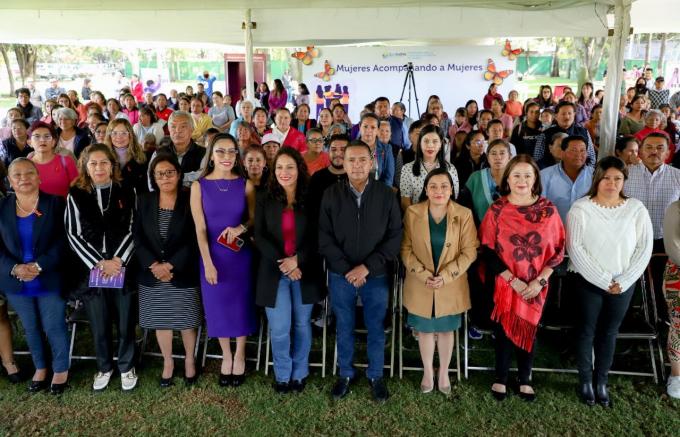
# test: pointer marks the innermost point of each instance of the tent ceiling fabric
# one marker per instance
(295, 26)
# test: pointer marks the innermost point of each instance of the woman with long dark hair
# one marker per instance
(288, 281)
(472, 156)
(429, 156)
(277, 98)
(222, 204)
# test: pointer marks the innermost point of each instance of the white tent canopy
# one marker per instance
(297, 22)
(286, 23)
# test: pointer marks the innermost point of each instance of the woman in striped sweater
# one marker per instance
(99, 219)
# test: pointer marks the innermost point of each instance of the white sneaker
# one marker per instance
(128, 380)
(673, 387)
(101, 380)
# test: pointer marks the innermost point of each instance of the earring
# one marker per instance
(211, 163)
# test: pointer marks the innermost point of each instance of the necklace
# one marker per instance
(429, 166)
(224, 190)
(32, 209)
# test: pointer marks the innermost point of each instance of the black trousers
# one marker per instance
(504, 349)
(105, 308)
(601, 314)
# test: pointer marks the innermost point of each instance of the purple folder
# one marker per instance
(97, 279)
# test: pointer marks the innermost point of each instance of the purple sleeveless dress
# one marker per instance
(229, 305)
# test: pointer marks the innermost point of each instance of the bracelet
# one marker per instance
(13, 271)
(244, 228)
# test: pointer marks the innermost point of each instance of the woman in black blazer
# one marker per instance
(31, 247)
(99, 218)
(165, 243)
(287, 280)
(131, 157)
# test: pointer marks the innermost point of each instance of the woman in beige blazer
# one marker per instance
(439, 244)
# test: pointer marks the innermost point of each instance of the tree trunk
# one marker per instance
(648, 50)
(662, 54)
(10, 76)
(598, 52)
(27, 56)
(555, 70)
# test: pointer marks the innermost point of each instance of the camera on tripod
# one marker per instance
(409, 66)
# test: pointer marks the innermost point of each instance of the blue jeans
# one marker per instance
(343, 302)
(289, 310)
(44, 314)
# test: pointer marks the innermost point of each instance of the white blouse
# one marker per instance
(606, 244)
(412, 186)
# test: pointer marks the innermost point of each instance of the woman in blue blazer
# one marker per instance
(31, 247)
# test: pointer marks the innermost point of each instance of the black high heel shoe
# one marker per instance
(603, 395)
(191, 380)
(587, 394)
(499, 396)
(37, 386)
(225, 380)
(238, 380)
(58, 389)
(165, 382)
(15, 377)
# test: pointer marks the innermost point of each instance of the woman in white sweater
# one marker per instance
(609, 241)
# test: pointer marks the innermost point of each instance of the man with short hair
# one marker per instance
(658, 95)
(30, 112)
(382, 153)
(565, 115)
(648, 77)
(54, 90)
(398, 130)
(570, 179)
(328, 176)
(189, 154)
(653, 182)
(359, 236)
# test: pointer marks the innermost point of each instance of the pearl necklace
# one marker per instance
(28, 212)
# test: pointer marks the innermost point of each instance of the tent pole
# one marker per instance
(250, 75)
(610, 113)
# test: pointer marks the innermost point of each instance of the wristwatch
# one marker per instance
(543, 282)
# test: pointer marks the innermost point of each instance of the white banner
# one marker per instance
(358, 75)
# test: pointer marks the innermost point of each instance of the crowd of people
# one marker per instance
(168, 211)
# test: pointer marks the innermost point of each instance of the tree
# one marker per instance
(662, 54)
(648, 50)
(5, 57)
(555, 68)
(591, 51)
(27, 57)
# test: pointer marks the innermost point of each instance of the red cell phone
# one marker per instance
(235, 245)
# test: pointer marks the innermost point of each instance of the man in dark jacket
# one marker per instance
(565, 114)
(188, 153)
(359, 236)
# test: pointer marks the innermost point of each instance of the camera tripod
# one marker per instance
(411, 86)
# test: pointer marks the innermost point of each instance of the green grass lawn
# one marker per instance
(640, 408)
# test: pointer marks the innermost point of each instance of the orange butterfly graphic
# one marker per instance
(327, 72)
(496, 76)
(307, 56)
(511, 53)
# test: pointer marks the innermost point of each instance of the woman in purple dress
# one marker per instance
(223, 203)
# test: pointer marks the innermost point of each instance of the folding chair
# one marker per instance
(77, 317)
(322, 363)
(14, 323)
(390, 330)
(257, 343)
(402, 328)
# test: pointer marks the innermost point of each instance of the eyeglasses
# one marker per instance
(167, 174)
(119, 134)
(316, 140)
(41, 137)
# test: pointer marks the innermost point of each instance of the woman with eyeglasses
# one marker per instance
(472, 157)
(99, 220)
(315, 157)
(131, 158)
(165, 245)
(223, 206)
(57, 171)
